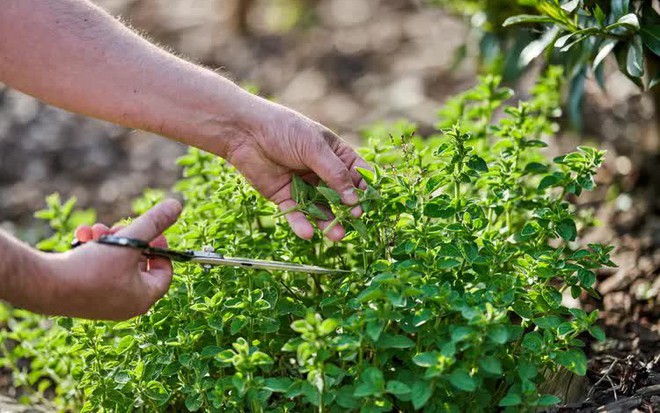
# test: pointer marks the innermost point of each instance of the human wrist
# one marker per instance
(229, 116)
(31, 282)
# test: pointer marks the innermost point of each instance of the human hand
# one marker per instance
(104, 282)
(278, 143)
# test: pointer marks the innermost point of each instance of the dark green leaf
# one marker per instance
(330, 194)
(390, 341)
(461, 379)
(548, 181)
(421, 393)
(533, 341)
(397, 388)
(491, 365)
(574, 360)
(278, 384)
(597, 333)
(566, 229)
(651, 37)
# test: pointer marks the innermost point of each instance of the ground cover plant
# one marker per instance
(453, 301)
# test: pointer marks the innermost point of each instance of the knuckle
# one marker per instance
(340, 177)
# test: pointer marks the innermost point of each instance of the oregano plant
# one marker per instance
(453, 299)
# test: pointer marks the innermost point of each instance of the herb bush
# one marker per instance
(453, 301)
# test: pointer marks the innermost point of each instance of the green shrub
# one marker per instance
(453, 301)
(578, 34)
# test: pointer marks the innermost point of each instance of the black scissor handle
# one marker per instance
(139, 244)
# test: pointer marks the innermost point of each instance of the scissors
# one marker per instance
(208, 257)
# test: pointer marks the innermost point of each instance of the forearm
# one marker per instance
(72, 54)
(24, 275)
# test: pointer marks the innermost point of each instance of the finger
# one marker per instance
(116, 229)
(152, 223)
(327, 165)
(311, 178)
(84, 233)
(159, 263)
(158, 279)
(99, 230)
(297, 220)
(159, 242)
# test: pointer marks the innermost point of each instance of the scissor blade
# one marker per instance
(215, 259)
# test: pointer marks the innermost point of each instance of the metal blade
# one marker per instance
(217, 259)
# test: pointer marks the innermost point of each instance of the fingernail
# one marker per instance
(350, 197)
(357, 211)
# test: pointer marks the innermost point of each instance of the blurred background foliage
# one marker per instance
(578, 34)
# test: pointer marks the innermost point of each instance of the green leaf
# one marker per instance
(605, 49)
(278, 384)
(237, 324)
(446, 263)
(360, 227)
(211, 351)
(548, 322)
(367, 174)
(461, 379)
(526, 18)
(548, 400)
(635, 57)
(548, 181)
(397, 388)
(587, 278)
(491, 365)
(328, 326)
(314, 211)
(122, 377)
(299, 189)
(530, 228)
(477, 163)
(570, 5)
(390, 341)
(566, 229)
(426, 359)
(499, 334)
(421, 393)
(194, 402)
(330, 194)
(438, 210)
(597, 333)
(526, 370)
(371, 383)
(374, 328)
(651, 37)
(460, 333)
(574, 360)
(533, 341)
(510, 400)
(552, 296)
(629, 20)
(157, 392)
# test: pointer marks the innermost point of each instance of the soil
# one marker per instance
(356, 63)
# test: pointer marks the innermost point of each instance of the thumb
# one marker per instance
(154, 222)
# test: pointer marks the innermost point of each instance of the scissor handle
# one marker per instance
(139, 244)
